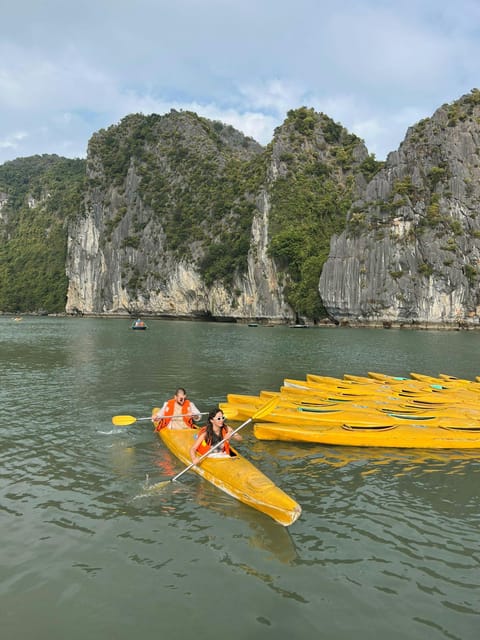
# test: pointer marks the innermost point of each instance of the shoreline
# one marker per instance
(411, 325)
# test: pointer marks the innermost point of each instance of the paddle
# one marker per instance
(263, 411)
(124, 421)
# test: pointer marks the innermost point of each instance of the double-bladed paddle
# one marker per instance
(125, 421)
(261, 413)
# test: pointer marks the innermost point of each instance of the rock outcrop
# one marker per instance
(179, 216)
(410, 252)
(158, 229)
(188, 217)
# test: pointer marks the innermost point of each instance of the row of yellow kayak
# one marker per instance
(374, 411)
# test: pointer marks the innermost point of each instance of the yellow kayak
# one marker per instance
(309, 416)
(312, 415)
(236, 476)
(410, 436)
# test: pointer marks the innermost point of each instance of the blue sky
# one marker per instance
(68, 69)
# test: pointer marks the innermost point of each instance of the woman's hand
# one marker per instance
(233, 436)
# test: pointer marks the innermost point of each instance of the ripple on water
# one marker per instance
(387, 542)
(400, 532)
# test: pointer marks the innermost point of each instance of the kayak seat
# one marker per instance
(349, 427)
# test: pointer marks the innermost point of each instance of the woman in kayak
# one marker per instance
(215, 431)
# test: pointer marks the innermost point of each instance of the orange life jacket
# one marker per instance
(204, 446)
(168, 415)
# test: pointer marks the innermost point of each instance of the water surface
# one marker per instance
(388, 544)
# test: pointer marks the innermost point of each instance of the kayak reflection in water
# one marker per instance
(215, 431)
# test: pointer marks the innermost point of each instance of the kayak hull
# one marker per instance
(236, 476)
(397, 436)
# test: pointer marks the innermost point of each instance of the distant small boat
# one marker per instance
(139, 325)
(18, 319)
(253, 324)
(299, 326)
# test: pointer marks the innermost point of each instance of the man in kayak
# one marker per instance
(176, 413)
(215, 431)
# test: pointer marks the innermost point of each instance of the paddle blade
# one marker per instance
(266, 409)
(123, 421)
(158, 486)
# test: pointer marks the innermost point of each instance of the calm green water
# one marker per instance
(388, 544)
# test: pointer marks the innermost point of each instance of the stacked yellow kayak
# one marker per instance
(376, 411)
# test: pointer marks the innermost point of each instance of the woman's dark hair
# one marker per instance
(211, 437)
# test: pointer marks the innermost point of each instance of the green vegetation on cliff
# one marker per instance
(42, 194)
(196, 184)
(197, 177)
(200, 180)
(156, 190)
(311, 200)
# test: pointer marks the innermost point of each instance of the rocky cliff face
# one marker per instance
(175, 224)
(318, 168)
(180, 216)
(410, 253)
(188, 217)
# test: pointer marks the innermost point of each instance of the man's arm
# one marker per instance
(196, 415)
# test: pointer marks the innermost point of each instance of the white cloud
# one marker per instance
(67, 70)
(380, 49)
(275, 95)
(12, 141)
(257, 125)
(252, 123)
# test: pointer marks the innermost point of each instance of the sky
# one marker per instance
(70, 68)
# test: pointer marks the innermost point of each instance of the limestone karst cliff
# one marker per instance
(317, 169)
(179, 216)
(188, 217)
(175, 224)
(410, 253)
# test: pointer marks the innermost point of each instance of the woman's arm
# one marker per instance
(194, 448)
(236, 436)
